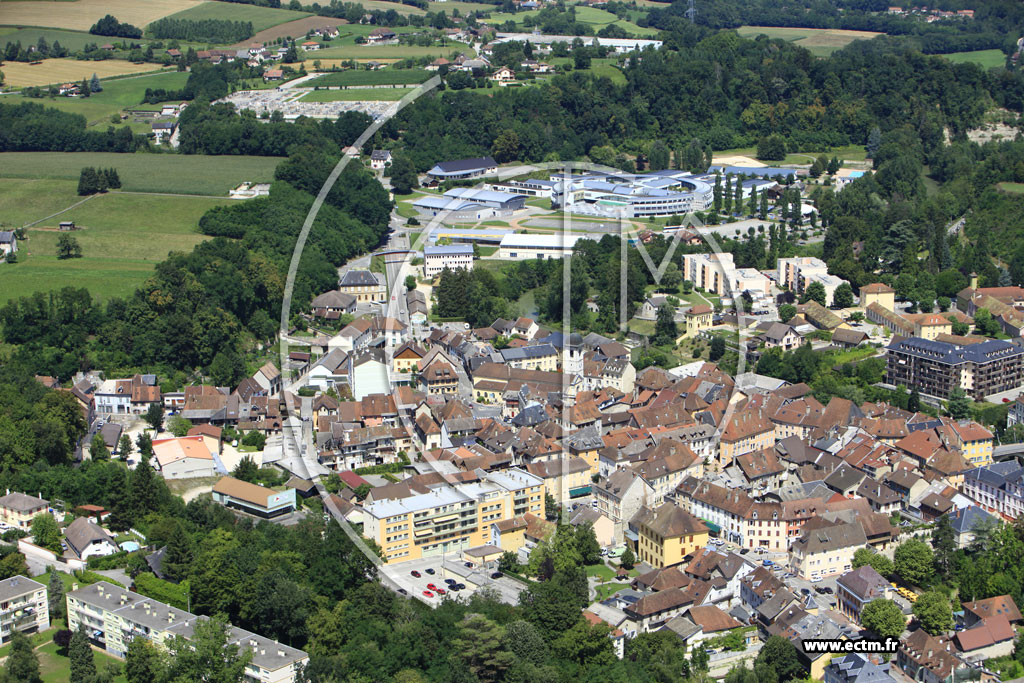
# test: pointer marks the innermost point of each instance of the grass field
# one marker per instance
(56, 668)
(82, 14)
(598, 18)
(463, 7)
(167, 173)
(117, 94)
(397, 6)
(987, 59)
(73, 40)
(598, 67)
(124, 237)
(389, 51)
(385, 77)
(820, 41)
(1011, 188)
(357, 95)
(25, 200)
(55, 71)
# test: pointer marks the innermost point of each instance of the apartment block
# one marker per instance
(936, 368)
(24, 606)
(451, 518)
(708, 271)
(113, 616)
(450, 257)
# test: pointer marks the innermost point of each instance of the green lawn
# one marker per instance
(118, 94)
(261, 17)
(602, 571)
(56, 667)
(365, 77)
(986, 59)
(1011, 188)
(168, 173)
(357, 95)
(124, 237)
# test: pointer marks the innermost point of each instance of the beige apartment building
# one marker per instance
(450, 519)
(113, 616)
(24, 606)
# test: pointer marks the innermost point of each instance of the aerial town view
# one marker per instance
(513, 341)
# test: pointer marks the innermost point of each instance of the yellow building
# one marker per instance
(698, 318)
(564, 478)
(364, 286)
(18, 509)
(407, 358)
(878, 293)
(451, 519)
(975, 442)
(930, 325)
(668, 534)
(509, 534)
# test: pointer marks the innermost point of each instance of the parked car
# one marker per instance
(441, 591)
(497, 575)
(428, 594)
(429, 570)
(431, 586)
(415, 573)
(403, 591)
(815, 579)
(767, 563)
(805, 591)
(467, 564)
(461, 587)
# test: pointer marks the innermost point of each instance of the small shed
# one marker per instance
(65, 226)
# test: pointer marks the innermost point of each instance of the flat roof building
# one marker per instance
(524, 246)
(451, 518)
(450, 257)
(113, 616)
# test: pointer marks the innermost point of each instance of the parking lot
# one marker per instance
(452, 567)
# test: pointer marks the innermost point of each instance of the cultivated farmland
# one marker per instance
(169, 173)
(260, 17)
(79, 15)
(361, 77)
(293, 29)
(821, 42)
(56, 71)
(125, 236)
